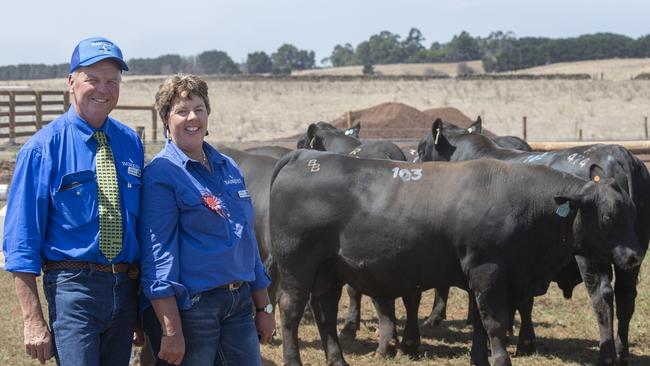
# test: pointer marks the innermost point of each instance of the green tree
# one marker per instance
(463, 48)
(288, 58)
(382, 48)
(258, 63)
(343, 56)
(412, 46)
(216, 62)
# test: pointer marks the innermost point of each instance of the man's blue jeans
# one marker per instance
(219, 329)
(92, 316)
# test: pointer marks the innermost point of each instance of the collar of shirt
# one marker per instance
(178, 157)
(85, 130)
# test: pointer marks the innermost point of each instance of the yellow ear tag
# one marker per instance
(437, 136)
(597, 179)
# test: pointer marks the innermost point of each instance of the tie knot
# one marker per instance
(100, 137)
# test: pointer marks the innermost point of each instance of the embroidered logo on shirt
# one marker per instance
(214, 204)
(232, 181)
(243, 193)
(132, 168)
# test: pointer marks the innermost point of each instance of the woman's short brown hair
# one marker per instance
(179, 86)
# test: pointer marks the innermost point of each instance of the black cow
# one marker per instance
(325, 137)
(257, 171)
(507, 142)
(272, 151)
(393, 228)
(620, 164)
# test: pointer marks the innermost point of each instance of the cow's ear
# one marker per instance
(311, 135)
(596, 173)
(354, 130)
(476, 127)
(566, 204)
(436, 130)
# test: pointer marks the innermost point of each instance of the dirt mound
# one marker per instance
(398, 120)
(388, 120)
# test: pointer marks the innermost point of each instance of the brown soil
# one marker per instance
(398, 120)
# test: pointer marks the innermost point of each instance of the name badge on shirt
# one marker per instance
(243, 193)
(134, 171)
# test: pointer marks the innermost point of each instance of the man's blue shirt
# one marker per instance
(52, 209)
(186, 247)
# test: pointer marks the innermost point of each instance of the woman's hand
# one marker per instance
(172, 348)
(265, 324)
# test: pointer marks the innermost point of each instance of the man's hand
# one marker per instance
(265, 324)
(138, 336)
(38, 341)
(172, 348)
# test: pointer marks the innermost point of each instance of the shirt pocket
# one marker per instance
(75, 199)
(197, 220)
(132, 194)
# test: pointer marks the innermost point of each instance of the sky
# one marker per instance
(46, 31)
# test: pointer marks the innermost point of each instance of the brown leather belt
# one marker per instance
(110, 268)
(232, 286)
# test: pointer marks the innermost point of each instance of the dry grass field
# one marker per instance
(566, 331)
(261, 109)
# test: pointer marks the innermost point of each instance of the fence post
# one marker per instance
(154, 125)
(580, 135)
(38, 100)
(140, 131)
(525, 123)
(66, 101)
(12, 118)
(645, 125)
(349, 119)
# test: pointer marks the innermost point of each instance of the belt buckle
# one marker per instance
(234, 286)
(113, 268)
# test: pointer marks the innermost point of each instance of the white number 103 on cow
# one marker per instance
(407, 174)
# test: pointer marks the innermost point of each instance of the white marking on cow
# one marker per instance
(314, 166)
(535, 157)
(563, 210)
(407, 174)
(583, 162)
(355, 151)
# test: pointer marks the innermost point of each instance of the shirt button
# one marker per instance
(78, 193)
(128, 185)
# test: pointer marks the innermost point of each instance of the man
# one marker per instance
(72, 213)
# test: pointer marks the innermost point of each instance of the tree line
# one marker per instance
(499, 51)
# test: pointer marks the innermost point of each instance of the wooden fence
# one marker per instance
(23, 112)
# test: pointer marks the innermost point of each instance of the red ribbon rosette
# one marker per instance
(214, 204)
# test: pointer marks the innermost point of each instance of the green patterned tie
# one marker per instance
(110, 213)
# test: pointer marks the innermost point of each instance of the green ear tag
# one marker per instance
(563, 210)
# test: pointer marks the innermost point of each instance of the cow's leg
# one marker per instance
(411, 339)
(597, 281)
(387, 333)
(479, 350)
(439, 308)
(490, 289)
(471, 309)
(625, 293)
(292, 303)
(526, 343)
(353, 319)
(325, 308)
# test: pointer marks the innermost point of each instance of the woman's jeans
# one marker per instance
(92, 316)
(219, 329)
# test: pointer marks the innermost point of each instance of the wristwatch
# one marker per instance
(268, 308)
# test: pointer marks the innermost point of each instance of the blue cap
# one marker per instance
(92, 50)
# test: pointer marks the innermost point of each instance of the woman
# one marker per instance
(201, 268)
